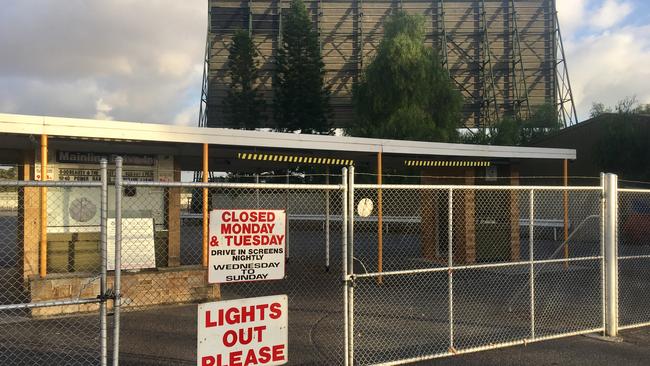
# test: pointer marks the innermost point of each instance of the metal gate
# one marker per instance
(430, 274)
(52, 296)
(633, 258)
(167, 334)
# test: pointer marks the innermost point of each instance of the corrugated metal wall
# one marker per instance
(350, 32)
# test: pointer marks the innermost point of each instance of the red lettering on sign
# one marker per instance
(262, 356)
(247, 216)
(229, 338)
(208, 361)
(276, 310)
(232, 316)
(278, 352)
(208, 322)
(265, 355)
(262, 308)
(235, 358)
(259, 329)
(251, 358)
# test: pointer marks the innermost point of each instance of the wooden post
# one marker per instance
(566, 211)
(28, 198)
(205, 206)
(380, 217)
(174, 220)
(43, 243)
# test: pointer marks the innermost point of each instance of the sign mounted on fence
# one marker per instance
(247, 245)
(251, 331)
(138, 246)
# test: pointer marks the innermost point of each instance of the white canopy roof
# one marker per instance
(166, 133)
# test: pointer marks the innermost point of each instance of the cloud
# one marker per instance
(606, 55)
(610, 13)
(571, 14)
(124, 59)
(102, 110)
(187, 117)
(609, 66)
(141, 60)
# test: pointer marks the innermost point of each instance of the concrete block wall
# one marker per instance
(139, 289)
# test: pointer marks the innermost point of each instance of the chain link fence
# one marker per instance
(162, 235)
(51, 273)
(454, 269)
(633, 258)
(425, 271)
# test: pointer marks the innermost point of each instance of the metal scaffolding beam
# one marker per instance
(506, 57)
(442, 38)
(565, 104)
(520, 104)
(489, 107)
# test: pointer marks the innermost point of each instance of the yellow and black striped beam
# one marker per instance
(445, 163)
(296, 159)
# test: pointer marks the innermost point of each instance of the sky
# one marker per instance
(142, 60)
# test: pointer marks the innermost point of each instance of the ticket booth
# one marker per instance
(485, 222)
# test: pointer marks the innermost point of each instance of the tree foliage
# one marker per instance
(301, 101)
(243, 106)
(514, 131)
(627, 105)
(405, 93)
(623, 146)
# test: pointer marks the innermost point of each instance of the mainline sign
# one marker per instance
(247, 245)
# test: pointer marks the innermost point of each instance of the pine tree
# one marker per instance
(301, 102)
(243, 106)
(405, 93)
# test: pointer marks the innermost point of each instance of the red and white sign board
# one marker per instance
(247, 245)
(243, 332)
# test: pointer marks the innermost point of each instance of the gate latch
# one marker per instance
(108, 295)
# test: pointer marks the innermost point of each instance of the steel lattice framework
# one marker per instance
(505, 56)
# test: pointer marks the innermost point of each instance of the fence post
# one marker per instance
(102, 280)
(118, 260)
(531, 259)
(204, 208)
(611, 255)
(450, 264)
(344, 260)
(42, 269)
(327, 221)
(350, 270)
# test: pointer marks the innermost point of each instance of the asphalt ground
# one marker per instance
(406, 316)
(633, 348)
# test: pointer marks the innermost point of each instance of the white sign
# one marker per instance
(246, 245)
(364, 208)
(138, 248)
(491, 174)
(242, 332)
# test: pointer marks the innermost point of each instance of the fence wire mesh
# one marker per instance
(454, 271)
(67, 331)
(165, 223)
(633, 257)
(459, 268)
